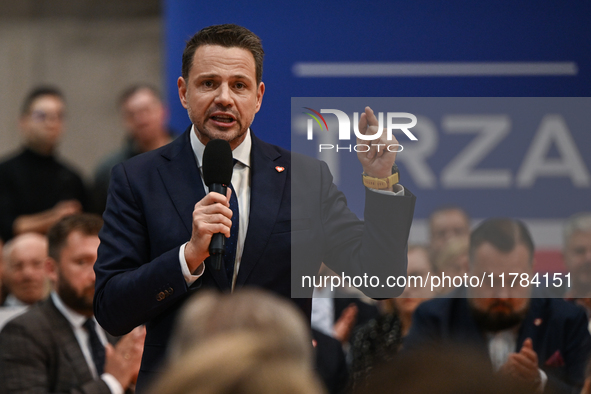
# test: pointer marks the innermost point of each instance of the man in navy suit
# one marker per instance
(159, 220)
(542, 341)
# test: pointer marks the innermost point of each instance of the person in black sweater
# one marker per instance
(37, 189)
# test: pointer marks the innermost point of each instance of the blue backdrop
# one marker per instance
(554, 32)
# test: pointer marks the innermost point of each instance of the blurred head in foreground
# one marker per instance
(267, 316)
(237, 362)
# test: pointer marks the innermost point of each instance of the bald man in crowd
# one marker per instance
(24, 273)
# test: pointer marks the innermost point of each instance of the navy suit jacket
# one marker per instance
(149, 216)
(557, 328)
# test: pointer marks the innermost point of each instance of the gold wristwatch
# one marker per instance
(382, 183)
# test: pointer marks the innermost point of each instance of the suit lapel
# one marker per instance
(64, 335)
(534, 326)
(266, 193)
(182, 180)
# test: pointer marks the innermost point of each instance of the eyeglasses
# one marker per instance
(41, 116)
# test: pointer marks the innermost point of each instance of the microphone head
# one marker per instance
(217, 163)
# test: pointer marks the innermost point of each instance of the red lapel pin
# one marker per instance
(537, 322)
(279, 168)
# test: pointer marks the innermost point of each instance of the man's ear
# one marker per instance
(51, 269)
(182, 85)
(260, 93)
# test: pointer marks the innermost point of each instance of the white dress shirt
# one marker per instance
(76, 321)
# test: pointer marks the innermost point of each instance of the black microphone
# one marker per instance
(217, 175)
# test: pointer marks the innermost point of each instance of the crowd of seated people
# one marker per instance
(380, 340)
(56, 345)
(486, 339)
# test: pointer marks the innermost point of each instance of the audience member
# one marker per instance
(24, 273)
(577, 258)
(541, 341)
(414, 294)
(452, 260)
(57, 346)
(331, 364)
(36, 188)
(577, 254)
(445, 224)
(442, 370)
(144, 118)
(237, 362)
(379, 340)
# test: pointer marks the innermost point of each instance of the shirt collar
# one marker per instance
(241, 153)
(75, 318)
(12, 301)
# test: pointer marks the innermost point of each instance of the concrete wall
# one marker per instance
(91, 55)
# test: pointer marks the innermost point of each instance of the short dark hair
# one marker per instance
(502, 233)
(228, 36)
(38, 92)
(86, 223)
(133, 89)
(445, 208)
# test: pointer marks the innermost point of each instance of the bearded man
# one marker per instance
(542, 341)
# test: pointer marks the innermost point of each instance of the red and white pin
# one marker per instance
(280, 169)
(537, 322)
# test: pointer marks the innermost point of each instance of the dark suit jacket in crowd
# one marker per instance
(558, 331)
(149, 216)
(331, 365)
(39, 353)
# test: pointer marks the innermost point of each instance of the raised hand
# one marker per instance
(378, 161)
(523, 365)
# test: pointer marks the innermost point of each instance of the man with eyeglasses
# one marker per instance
(36, 188)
